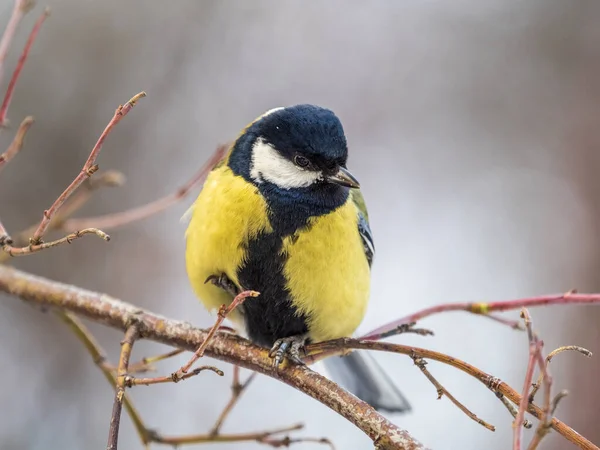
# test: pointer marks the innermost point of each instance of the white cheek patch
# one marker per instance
(269, 165)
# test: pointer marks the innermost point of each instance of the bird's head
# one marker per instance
(295, 147)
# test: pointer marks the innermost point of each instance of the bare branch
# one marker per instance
(484, 309)
(13, 81)
(131, 335)
(552, 354)
(535, 348)
(224, 311)
(19, 10)
(22, 251)
(132, 381)
(442, 391)
(102, 308)
(114, 220)
(17, 142)
(88, 169)
(321, 350)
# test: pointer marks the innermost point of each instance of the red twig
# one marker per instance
(114, 220)
(535, 348)
(568, 298)
(17, 143)
(20, 9)
(88, 169)
(223, 312)
(13, 81)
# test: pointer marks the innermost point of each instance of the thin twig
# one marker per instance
(113, 220)
(19, 10)
(552, 354)
(288, 441)
(17, 142)
(535, 348)
(237, 389)
(406, 328)
(202, 438)
(484, 309)
(13, 81)
(27, 250)
(224, 311)
(88, 169)
(442, 391)
(133, 381)
(131, 335)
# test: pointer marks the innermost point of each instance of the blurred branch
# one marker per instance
(21, 8)
(102, 308)
(17, 143)
(484, 309)
(88, 169)
(127, 217)
(13, 81)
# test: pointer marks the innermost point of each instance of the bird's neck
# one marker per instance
(290, 209)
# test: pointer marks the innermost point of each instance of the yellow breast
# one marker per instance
(328, 274)
(325, 268)
(227, 214)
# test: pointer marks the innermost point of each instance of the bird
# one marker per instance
(282, 215)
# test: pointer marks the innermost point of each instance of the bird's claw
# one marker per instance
(222, 281)
(288, 347)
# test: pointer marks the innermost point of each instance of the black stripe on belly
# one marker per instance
(271, 315)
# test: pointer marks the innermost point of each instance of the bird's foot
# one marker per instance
(289, 347)
(222, 281)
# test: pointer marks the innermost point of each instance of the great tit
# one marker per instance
(282, 215)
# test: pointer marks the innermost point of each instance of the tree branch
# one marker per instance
(13, 81)
(21, 8)
(131, 335)
(17, 143)
(341, 346)
(484, 309)
(88, 169)
(114, 220)
(227, 347)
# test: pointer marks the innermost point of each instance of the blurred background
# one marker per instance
(472, 126)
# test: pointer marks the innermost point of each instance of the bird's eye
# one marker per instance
(301, 161)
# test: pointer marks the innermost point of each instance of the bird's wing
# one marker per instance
(363, 224)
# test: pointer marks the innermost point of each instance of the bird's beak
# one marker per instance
(344, 178)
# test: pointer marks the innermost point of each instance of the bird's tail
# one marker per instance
(360, 374)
